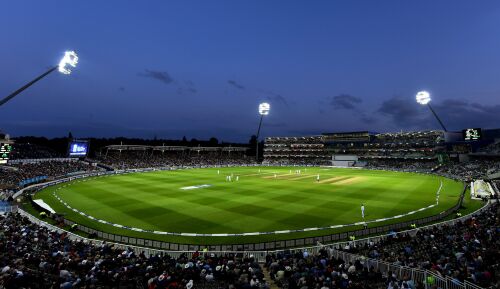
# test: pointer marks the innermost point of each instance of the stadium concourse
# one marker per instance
(33, 256)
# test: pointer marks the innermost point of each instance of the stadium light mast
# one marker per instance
(69, 61)
(424, 98)
(264, 109)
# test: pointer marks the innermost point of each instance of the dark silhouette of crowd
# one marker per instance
(472, 170)
(302, 270)
(14, 174)
(33, 151)
(143, 159)
(468, 250)
(32, 256)
(401, 165)
(276, 161)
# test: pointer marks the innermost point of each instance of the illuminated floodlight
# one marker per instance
(423, 97)
(69, 60)
(264, 108)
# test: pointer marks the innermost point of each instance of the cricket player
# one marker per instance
(317, 178)
(363, 211)
(237, 178)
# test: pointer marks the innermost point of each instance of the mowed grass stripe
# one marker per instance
(147, 211)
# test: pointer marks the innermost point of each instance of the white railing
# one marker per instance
(426, 277)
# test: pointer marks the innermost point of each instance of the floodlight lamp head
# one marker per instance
(264, 108)
(69, 61)
(423, 97)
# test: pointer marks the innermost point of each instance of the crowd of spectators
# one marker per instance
(322, 271)
(32, 256)
(14, 174)
(297, 161)
(493, 148)
(468, 250)
(401, 165)
(417, 139)
(472, 170)
(295, 151)
(33, 151)
(144, 159)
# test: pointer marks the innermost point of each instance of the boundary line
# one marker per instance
(244, 234)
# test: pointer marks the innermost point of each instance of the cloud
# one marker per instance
(236, 85)
(183, 87)
(162, 76)
(345, 101)
(460, 114)
(403, 111)
(350, 103)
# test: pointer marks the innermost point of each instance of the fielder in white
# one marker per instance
(362, 211)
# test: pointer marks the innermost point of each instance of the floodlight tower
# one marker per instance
(424, 98)
(69, 60)
(264, 109)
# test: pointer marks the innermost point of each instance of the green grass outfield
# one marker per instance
(258, 202)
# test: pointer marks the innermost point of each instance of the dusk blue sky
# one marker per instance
(200, 68)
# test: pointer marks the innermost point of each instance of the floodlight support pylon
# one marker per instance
(257, 139)
(12, 95)
(437, 117)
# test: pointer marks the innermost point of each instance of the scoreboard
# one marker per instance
(5, 150)
(78, 148)
(472, 134)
